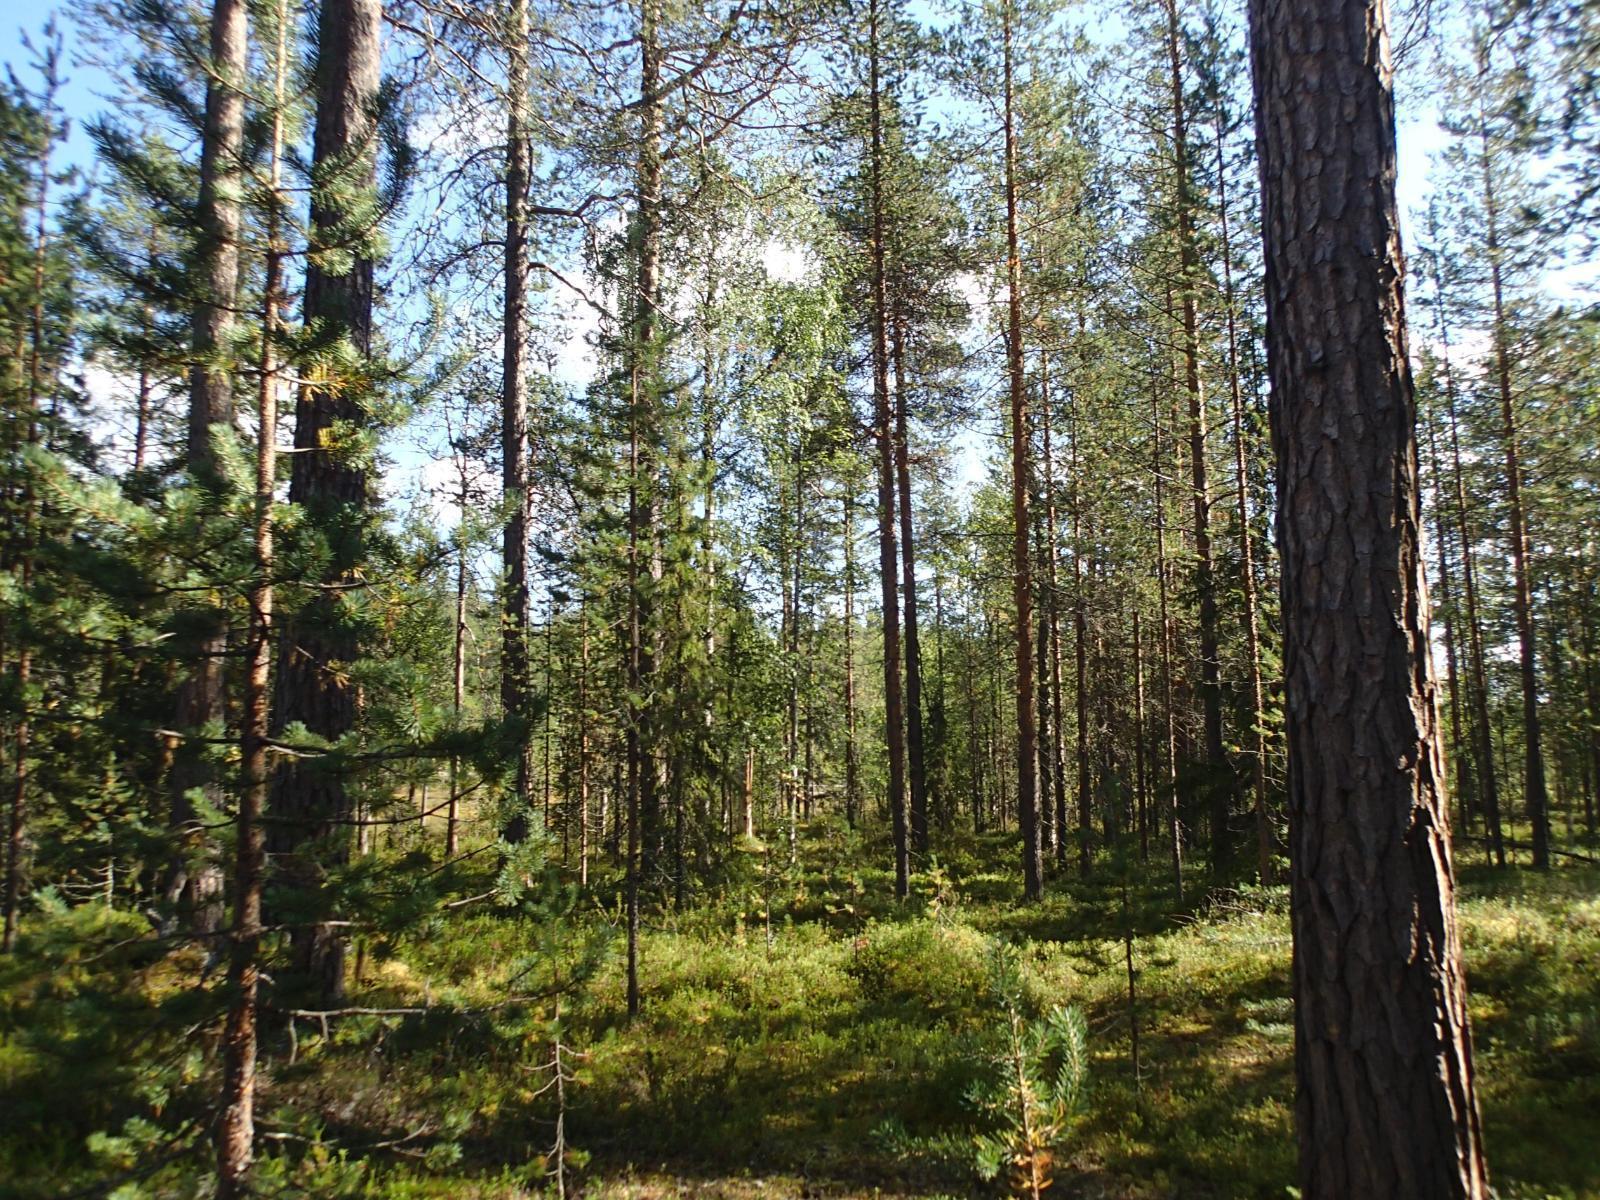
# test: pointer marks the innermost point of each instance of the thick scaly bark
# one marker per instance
(1383, 1055)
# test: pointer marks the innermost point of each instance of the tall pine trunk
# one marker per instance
(516, 500)
(883, 430)
(1383, 1056)
(314, 686)
(195, 885)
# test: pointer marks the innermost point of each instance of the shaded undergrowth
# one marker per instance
(785, 1019)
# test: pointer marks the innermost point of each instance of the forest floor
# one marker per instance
(783, 1024)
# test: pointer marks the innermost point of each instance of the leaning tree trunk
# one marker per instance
(195, 885)
(314, 687)
(1385, 1104)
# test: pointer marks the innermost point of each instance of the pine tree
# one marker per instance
(1385, 1103)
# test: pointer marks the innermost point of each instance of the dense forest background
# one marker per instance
(650, 598)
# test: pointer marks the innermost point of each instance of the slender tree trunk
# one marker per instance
(1534, 788)
(1048, 717)
(852, 755)
(1080, 646)
(583, 740)
(1205, 578)
(1080, 640)
(1169, 720)
(1140, 784)
(1483, 737)
(1022, 584)
(888, 555)
(547, 778)
(1383, 1053)
(236, 1131)
(1591, 688)
(1053, 607)
(792, 733)
(1458, 757)
(916, 750)
(1265, 838)
(452, 825)
(194, 884)
(516, 499)
(644, 382)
